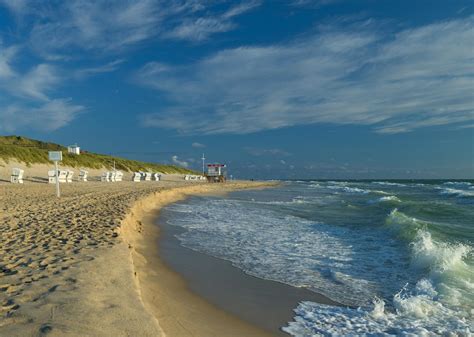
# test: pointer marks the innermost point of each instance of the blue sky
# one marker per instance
(276, 88)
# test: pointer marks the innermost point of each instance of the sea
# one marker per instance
(396, 255)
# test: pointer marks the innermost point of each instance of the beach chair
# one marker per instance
(105, 177)
(83, 175)
(118, 175)
(69, 175)
(17, 176)
(146, 176)
(137, 176)
(52, 176)
(112, 176)
(63, 176)
(186, 177)
(156, 176)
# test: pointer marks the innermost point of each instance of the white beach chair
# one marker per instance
(186, 177)
(156, 176)
(118, 175)
(105, 177)
(137, 176)
(62, 176)
(83, 175)
(113, 175)
(17, 176)
(52, 176)
(146, 176)
(69, 175)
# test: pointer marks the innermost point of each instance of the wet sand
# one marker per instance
(165, 293)
(263, 303)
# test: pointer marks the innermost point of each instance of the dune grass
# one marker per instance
(30, 151)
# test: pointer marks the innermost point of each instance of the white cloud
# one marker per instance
(200, 28)
(105, 68)
(198, 145)
(25, 101)
(257, 152)
(176, 161)
(36, 82)
(57, 28)
(416, 78)
(48, 116)
(6, 56)
(16, 6)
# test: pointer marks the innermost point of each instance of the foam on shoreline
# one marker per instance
(163, 292)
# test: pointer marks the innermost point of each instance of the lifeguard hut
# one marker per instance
(216, 173)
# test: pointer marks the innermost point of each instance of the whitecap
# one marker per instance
(386, 183)
(390, 198)
(457, 192)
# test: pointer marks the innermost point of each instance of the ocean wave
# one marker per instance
(352, 190)
(403, 225)
(417, 313)
(457, 192)
(386, 183)
(439, 304)
(390, 198)
(458, 183)
(438, 257)
(379, 192)
(445, 263)
(296, 200)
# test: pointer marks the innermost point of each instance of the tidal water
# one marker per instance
(398, 255)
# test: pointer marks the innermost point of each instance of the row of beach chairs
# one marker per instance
(66, 176)
(145, 176)
(112, 176)
(193, 177)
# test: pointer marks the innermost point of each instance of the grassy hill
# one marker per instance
(32, 151)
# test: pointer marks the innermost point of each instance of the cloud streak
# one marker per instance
(25, 101)
(416, 78)
(58, 29)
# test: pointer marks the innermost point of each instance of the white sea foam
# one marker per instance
(416, 313)
(380, 192)
(267, 244)
(347, 189)
(457, 192)
(458, 183)
(387, 183)
(390, 198)
(434, 306)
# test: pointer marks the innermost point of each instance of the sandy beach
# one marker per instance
(80, 265)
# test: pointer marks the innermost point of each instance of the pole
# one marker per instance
(58, 194)
(203, 159)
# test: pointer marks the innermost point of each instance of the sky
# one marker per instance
(291, 89)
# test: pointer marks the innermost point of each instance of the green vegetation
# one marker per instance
(32, 151)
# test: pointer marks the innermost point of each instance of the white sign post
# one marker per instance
(56, 156)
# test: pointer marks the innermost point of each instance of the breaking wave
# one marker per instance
(438, 304)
